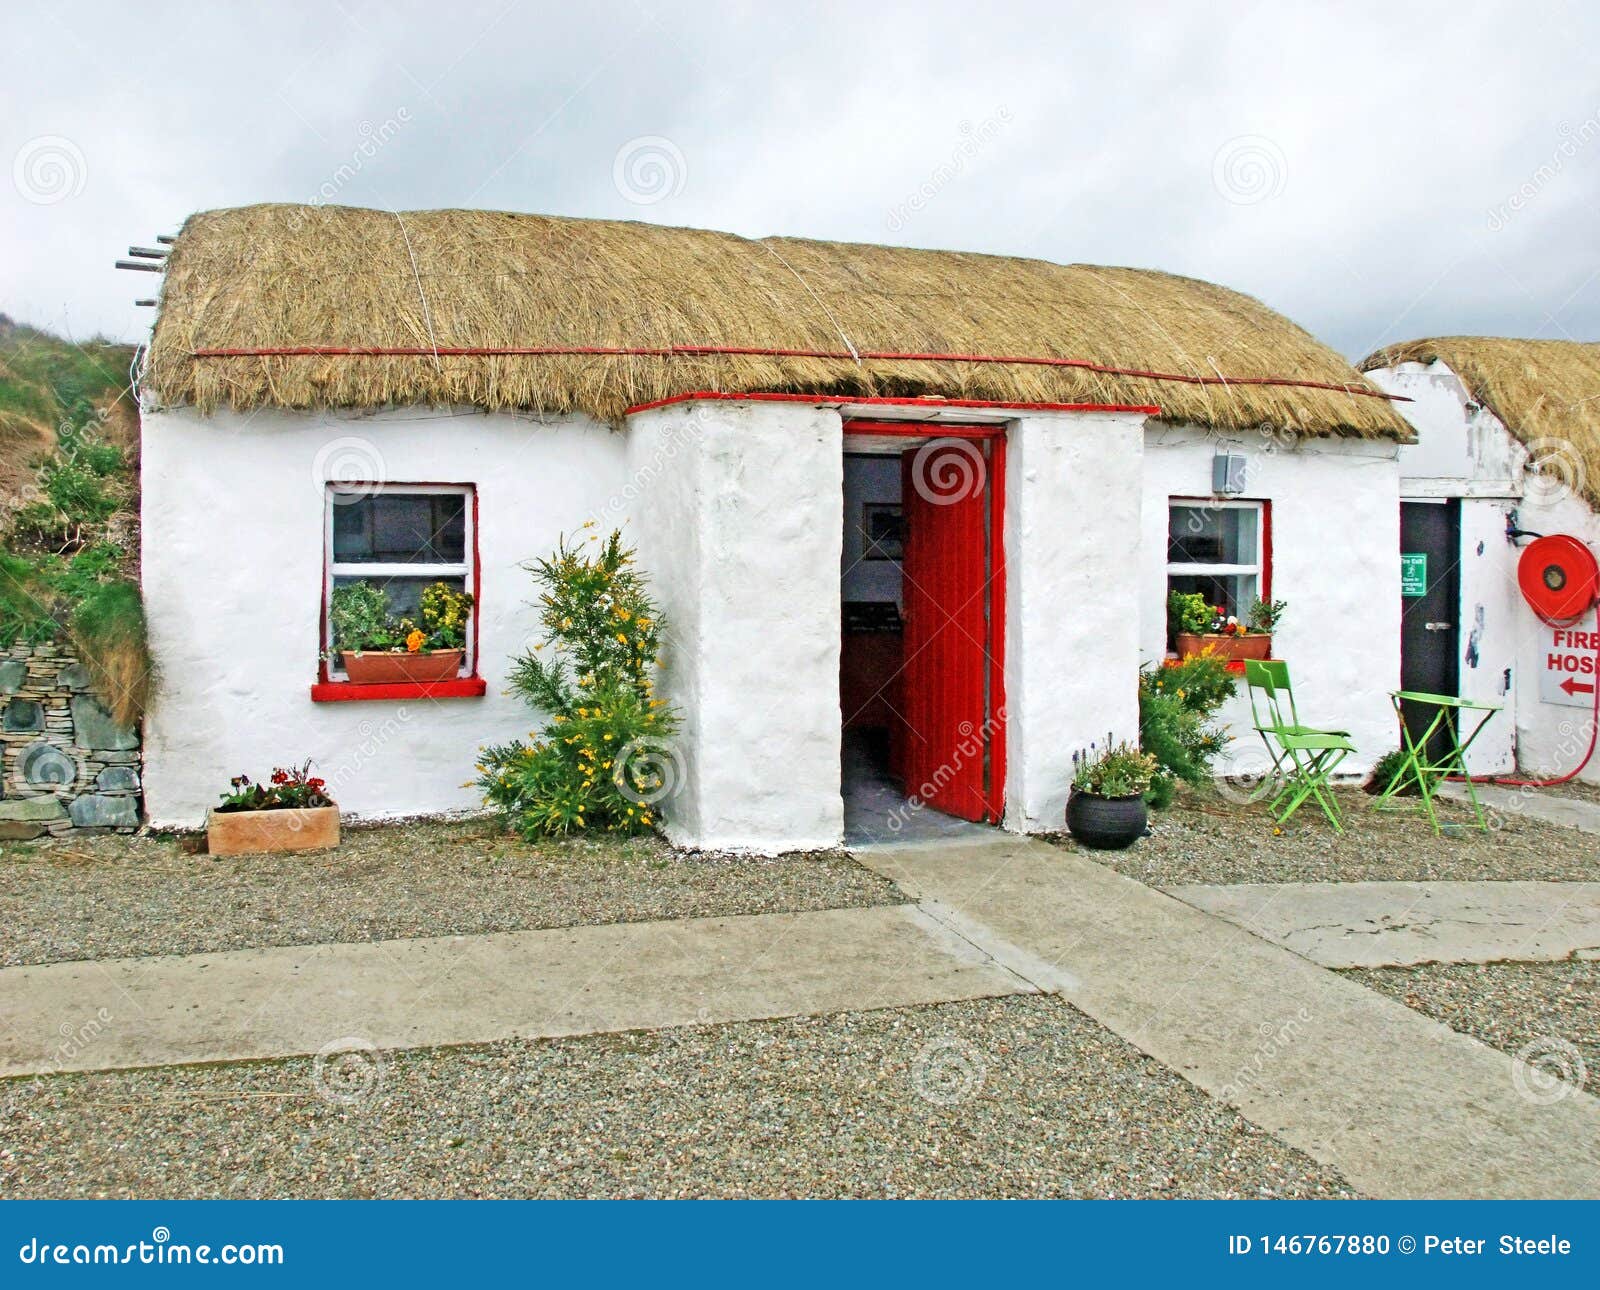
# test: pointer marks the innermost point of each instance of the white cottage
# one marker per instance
(1508, 449)
(912, 515)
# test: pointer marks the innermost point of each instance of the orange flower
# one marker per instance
(414, 641)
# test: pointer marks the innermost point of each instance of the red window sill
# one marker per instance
(467, 687)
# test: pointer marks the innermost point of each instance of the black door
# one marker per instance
(1430, 605)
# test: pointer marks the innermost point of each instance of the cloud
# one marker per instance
(1345, 166)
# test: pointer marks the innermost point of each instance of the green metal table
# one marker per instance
(1419, 767)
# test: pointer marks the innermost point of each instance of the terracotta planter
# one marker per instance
(237, 833)
(1229, 648)
(385, 668)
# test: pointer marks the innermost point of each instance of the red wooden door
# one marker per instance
(954, 622)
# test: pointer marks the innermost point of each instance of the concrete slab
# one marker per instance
(1536, 803)
(453, 990)
(1395, 924)
(1402, 1106)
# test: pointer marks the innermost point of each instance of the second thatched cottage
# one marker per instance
(1500, 515)
(869, 484)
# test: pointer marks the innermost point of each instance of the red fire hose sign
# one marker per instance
(1568, 674)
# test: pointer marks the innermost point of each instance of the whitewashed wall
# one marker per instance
(1335, 544)
(741, 530)
(1465, 451)
(233, 550)
(1072, 627)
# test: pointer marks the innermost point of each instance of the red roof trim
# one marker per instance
(835, 400)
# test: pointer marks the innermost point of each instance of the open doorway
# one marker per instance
(921, 680)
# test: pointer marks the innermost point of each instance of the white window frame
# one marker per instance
(1258, 570)
(465, 570)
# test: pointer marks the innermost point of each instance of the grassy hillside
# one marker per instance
(69, 509)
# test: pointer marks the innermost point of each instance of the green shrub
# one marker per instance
(359, 618)
(1385, 769)
(1187, 611)
(602, 759)
(1177, 707)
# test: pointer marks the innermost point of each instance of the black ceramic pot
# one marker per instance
(1106, 823)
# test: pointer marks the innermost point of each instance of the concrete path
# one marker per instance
(1387, 924)
(449, 990)
(1402, 1106)
(1536, 803)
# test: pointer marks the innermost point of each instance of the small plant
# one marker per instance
(1265, 614)
(359, 616)
(1118, 770)
(602, 759)
(1188, 612)
(290, 788)
(1385, 769)
(1177, 706)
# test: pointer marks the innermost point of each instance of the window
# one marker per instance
(401, 537)
(1218, 549)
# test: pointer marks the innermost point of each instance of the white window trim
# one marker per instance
(1257, 570)
(466, 569)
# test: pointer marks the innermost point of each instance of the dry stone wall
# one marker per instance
(65, 765)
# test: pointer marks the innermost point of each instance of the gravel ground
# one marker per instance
(114, 896)
(1548, 1013)
(1205, 838)
(1016, 1097)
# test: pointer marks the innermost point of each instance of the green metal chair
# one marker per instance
(1303, 757)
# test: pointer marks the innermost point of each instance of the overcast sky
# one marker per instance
(1375, 172)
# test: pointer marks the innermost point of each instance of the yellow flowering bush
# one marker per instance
(603, 759)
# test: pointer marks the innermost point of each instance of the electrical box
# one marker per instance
(1228, 472)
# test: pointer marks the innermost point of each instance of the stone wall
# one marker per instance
(65, 765)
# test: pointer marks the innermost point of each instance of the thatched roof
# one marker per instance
(1546, 392)
(314, 278)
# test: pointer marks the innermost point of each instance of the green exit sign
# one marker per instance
(1413, 573)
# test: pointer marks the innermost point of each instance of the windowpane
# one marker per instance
(1212, 535)
(400, 528)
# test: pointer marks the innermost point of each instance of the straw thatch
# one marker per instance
(306, 276)
(1546, 392)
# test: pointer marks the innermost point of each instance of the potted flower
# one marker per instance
(376, 648)
(1198, 627)
(291, 812)
(1106, 809)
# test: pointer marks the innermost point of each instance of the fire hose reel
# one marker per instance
(1559, 579)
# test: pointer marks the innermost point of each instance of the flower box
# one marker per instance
(368, 667)
(234, 833)
(1233, 648)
